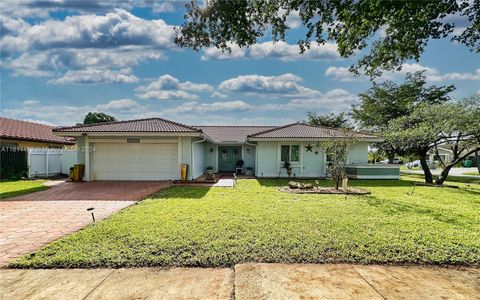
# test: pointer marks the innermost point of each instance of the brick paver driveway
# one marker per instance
(30, 221)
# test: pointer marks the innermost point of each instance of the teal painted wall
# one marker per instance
(249, 157)
(373, 172)
(210, 157)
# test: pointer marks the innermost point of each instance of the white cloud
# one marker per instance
(336, 100)
(286, 85)
(31, 102)
(279, 50)
(217, 94)
(104, 43)
(226, 106)
(100, 76)
(168, 87)
(121, 105)
(122, 109)
(342, 74)
(432, 74)
(115, 29)
(293, 20)
(128, 109)
(56, 61)
(43, 8)
(12, 26)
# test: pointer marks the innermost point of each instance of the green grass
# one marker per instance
(254, 222)
(14, 188)
(471, 173)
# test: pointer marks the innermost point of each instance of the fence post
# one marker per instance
(46, 163)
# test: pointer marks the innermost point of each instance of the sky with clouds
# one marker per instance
(63, 58)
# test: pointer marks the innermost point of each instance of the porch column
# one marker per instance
(87, 159)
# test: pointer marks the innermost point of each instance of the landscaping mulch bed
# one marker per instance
(200, 181)
(325, 190)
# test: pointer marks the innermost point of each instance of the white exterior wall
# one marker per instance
(267, 159)
(358, 154)
(310, 164)
(198, 159)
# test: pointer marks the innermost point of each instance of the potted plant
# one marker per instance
(287, 166)
(209, 170)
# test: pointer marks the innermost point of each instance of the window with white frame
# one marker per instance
(290, 153)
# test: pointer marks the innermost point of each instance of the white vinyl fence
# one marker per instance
(43, 162)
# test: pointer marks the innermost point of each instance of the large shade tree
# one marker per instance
(387, 101)
(333, 120)
(98, 117)
(406, 27)
(454, 125)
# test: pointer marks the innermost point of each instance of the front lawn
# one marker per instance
(14, 188)
(254, 222)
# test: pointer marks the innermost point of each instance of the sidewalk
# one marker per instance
(454, 172)
(245, 281)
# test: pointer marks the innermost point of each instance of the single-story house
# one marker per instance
(23, 134)
(445, 153)
(155, 148)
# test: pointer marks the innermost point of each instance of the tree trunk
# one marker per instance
(477, 158)
(391, 156)
(425, 168)
(336, 184)
(443, 175)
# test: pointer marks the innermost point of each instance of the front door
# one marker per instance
(228, 156)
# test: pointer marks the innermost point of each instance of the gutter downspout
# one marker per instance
(256, 155)
(193, 153)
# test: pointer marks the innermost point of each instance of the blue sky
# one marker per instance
(61, 59)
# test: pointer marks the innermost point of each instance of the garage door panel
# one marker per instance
(123, 161)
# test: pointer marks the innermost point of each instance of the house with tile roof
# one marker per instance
(155, 149)
(26, 134)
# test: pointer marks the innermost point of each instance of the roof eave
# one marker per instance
(272, 139)
(27, 139)
(123, 133)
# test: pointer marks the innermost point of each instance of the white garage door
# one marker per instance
(135, 161)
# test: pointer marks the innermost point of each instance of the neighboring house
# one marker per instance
(444, 152)
(154, 149)
(25, 134)
(446, 155)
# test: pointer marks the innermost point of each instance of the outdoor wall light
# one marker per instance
(211, 149)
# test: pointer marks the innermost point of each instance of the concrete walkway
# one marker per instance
(245, 281)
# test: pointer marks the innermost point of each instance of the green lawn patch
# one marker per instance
(14, 188)
(254, 222)
(471, 173)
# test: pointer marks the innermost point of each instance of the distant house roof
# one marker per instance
(29, 131)
(231, 134)
(141, 125)
(300, 130)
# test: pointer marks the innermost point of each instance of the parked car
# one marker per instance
(416, 164)
(413, 164)
(395, 161)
